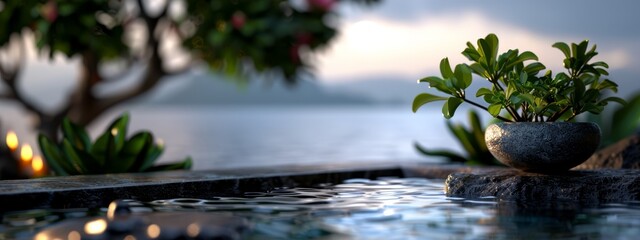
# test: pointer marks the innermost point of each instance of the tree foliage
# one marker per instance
(238, 38)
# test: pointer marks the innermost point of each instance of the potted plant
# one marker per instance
(538, 133)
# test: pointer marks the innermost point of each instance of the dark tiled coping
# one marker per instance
(90, 191)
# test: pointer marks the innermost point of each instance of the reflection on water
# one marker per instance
(388, 208)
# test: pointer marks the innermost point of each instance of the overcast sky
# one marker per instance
(408, 38)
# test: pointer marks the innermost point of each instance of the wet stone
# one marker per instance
(588, 187)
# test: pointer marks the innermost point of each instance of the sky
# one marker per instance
(409, 38)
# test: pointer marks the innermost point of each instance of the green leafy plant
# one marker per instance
(75, 154)
(623, 121)
(472, 141)
(518, 89)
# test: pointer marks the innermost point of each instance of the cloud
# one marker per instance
(373, 45)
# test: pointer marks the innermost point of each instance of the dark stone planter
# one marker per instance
(546, 147)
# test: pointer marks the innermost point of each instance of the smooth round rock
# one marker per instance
(544, 147)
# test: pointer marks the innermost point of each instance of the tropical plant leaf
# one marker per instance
(425, 98)
(450, 106)
(564, 48)
(463, 74)
(451, 156)
(53, 156)
(184, 165)
(76, 135)
(73, 156)
(445, 68)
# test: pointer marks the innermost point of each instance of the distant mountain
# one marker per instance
(211, 89)
(394, 89)
(204, 88)
(380, 89)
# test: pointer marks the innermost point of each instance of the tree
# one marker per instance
(236, 38)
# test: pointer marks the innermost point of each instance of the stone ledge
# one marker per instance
(587, 187)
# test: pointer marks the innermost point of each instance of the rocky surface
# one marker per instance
(99, 190)
(623, 154)
(586, 186)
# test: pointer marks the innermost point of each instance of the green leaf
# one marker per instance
(483, 91)
(626, 120)
(133, 151)
(477, 130)
(424, 98)
(479, 70)
(494, 109)
(564, 48)
(450, 106)
(118, 129)
(534, 68)
(490, 47)
(152, 155)
(600, 64)
(451, 156)
(74, 157)
(445, 68)
(578, 91)
(527, 56)
(103, 150)
(184, 165)
(53, 156)
(471, 53)
(76, 134)
(464, 137)
(615, 99)
(462, 72)
(437, 83)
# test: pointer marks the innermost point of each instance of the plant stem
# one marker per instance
(557, 115)
(486, 109)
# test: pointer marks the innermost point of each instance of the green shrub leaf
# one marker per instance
(445, 68)
(450, 106)
(423, 99)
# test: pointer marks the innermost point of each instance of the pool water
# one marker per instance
(386, 208)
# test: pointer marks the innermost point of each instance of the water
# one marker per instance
(387, 208)
(227, 137)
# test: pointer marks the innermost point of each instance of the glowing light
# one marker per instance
(114, 131)
(12, 140)
(111, 211)
(153, 231)
(26, 153)
(41, 236)
(37, 164)
(129, 237)
(95, 227)
(74, 235)
(193, 230)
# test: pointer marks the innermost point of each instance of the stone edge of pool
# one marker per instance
(99, 190)
(587, 187)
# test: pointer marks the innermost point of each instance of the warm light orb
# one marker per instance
(95, 227)
(153, 231)
(74, 235)
(12, 140)
(193, 230)
(114, 132)
(37, 164)
(26, 153)
(41, 236)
